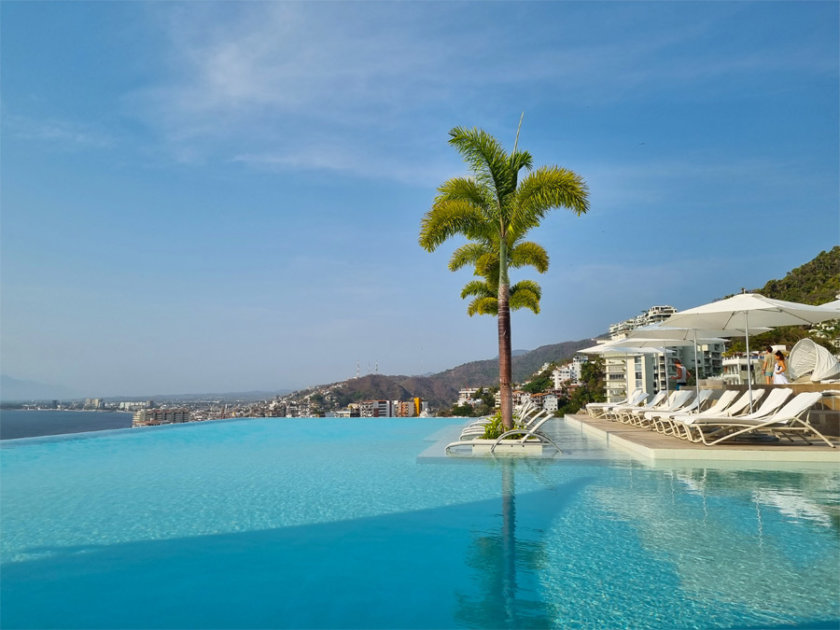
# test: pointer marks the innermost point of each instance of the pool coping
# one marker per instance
(654, 446)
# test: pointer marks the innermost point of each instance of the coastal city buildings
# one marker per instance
(653, 315)
(151, 417)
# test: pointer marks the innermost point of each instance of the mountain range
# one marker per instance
(441, 389)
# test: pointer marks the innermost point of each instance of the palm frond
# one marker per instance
(465, 189)
(529, 254)
(487, 266)
(483, 306)
(523, 297)
(446, 219)
(478, 288)
(527, 286)
(468, 254)
(546, 188)
(520, 160)
(487, 159)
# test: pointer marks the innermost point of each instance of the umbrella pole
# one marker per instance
(749, 358)
(696, 369)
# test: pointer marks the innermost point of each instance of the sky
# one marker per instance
(219, 196)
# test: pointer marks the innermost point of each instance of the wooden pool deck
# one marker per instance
(655, 446)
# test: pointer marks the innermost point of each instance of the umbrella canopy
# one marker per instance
(611, 347)
(835, 305)
(689, 334)
(748, 312)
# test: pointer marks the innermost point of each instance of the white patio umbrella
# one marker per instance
(748, 312)
(612, 347)
(835, 304)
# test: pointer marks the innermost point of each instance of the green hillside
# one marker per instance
(441, 390)
(815, 282)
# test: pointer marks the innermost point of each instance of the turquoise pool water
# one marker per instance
(331, 523)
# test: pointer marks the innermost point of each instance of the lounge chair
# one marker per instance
(475, 430)
(673, 424)
(523, 412)
(662, 424)
(626, 415)
(790, 420)
(681, 400)
(691, 404)
(601, 409)
(617, 412)
(700, 429)
(531, 436)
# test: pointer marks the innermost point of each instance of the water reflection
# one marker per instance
(765, 541)
(797, 496)
(507, 562)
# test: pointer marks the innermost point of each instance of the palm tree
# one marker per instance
(494, 207)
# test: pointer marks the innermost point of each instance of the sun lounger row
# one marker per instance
(780, 414)
(662, 403)
(601, 409)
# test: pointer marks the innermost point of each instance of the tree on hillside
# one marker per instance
(815, 282)
(493, 207)
(592, 388)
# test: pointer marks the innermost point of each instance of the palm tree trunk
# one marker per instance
(505, 393)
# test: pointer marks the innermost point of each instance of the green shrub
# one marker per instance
(494, 428)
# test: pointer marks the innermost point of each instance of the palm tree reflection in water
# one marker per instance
(508, 563)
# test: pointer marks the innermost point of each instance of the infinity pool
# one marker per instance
(335, 523)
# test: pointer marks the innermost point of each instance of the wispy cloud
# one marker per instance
(299, 86)
(65, 134)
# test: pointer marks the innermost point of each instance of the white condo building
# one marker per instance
(569, 371)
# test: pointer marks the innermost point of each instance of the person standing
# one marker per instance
(768, 364)
(779, 376)
(681, 375)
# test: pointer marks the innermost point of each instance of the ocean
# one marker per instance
(16, 423)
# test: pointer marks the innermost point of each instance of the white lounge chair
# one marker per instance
(473, 431)
(627, 415)
(700, 429)
(680, 400)
(530, 437)
(687, 405)
(662, 424)
(673, 424)
(617, 413)
(601, 409)
(787, 421)
(522, 412)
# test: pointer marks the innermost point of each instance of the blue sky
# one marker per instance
(226, 196)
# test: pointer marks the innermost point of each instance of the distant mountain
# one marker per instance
(486, 373)
(250, 396)
(815, 282)
(18, 390)
(441, 389)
